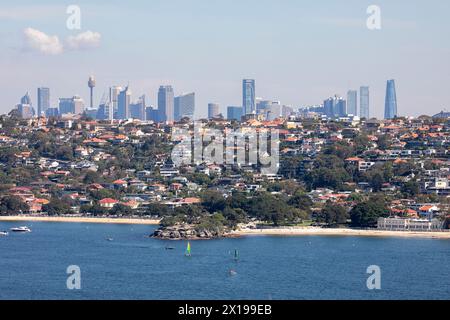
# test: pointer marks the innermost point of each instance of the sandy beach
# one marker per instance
(310, 231)
(82, 220)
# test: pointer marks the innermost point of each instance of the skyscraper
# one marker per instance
(114, 98)
(213, 110)
(248, 96)
(390, 107)
(335, 107)
(166, 103)
(137, 109)
(184, 106)
(364, 106)
(43, 101)
(123, 103)
(25, 108)
(74, 105)
(352, 102)
(263, 106)
(234, 113)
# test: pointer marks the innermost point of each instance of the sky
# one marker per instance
(300, 52)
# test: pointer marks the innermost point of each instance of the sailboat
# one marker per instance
(188, 250)
(236, 255)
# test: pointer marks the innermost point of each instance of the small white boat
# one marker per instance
(4, 233)
(21, 229)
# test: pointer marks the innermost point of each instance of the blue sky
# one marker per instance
(299, 52)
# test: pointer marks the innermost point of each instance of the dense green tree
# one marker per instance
(11, 205)
(411, 188)
(366, 214)
(333, 214)
(121, 210)
(57, 207)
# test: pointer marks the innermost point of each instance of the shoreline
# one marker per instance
(311, 231)
(80, 220)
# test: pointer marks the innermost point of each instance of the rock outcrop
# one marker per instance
(186, 232)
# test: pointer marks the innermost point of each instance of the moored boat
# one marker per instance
(21, 229)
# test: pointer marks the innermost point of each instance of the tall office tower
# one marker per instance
(91, 85)
(137, 109)
(213, 110)
(263, 106)
(152, 114)
(335, 107)
(341, 108)
(52, 112)
(234, 113)
(123, 104)
(390, 107)
(26, 99)
(184, 106)
(166, 103)
(25, 108)
(43, 101)
(352, 102)
(364, 105)
(248, 96)
(74, 105)
(114, 98)
(104, 111)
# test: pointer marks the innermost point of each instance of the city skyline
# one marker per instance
(292, 70)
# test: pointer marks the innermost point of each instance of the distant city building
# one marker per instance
(74, 105)
(234, 113)
(166, 104)
(123, 104)
(213, 110)
(263, 106)
(114, 98)
(25, 108)
(248, 96)
(335, 107)
(105, 111)
(137, 109)
(152, 114)
(26, 99)
(352, 102)
(390, 108)
(43, 101)
(52, 112)
(184, 106)
(364, 106)
(273, 111)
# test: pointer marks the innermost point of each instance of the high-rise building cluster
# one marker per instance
(118, 104)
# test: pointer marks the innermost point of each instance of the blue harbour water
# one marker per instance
(133, 266)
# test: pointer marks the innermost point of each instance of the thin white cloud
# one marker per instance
(85, 40)
(31, 12)
(41, 42)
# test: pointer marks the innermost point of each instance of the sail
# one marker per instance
(236, 254)
(188, 249)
